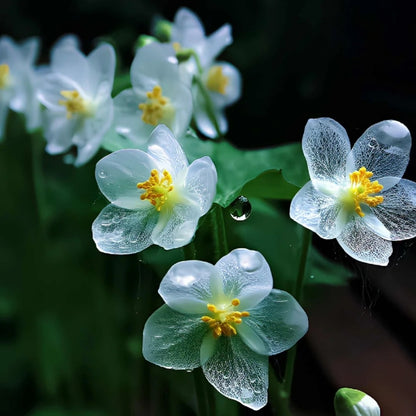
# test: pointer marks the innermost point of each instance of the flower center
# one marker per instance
(74, 103)
(216, 80)
(224, 320)
(362, 190)
(156, 188)
(4, 75)
(157, 108)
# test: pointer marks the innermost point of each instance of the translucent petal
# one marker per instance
(173, 340)
(201, 183)
(58, 131)
(246, 276)
(187, 29)
(382, 149)
(30, 49)
(362, 244)
(398, 210)
(238, 373)
(278, 320)
(154, 64)
(326, 146)
(317, 211)
(186, 287)
(164, 148)
(119, 173)
(374, 224)
(176, 227)
(102, 63)
(233, 88)
(128, 118)
(215, 44)
(122, 231)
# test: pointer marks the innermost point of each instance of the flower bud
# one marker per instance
(351, 402)
(162, 30)
(144, 40)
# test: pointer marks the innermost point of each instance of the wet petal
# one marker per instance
(187, 29)
(398, 210)
(326, 146)
(318, 212)
(278, 320)
(122, 231)
(58, 131)
(102, 63)
(362, 244)
(238, 373)
(215, 44)
(246, 276)
(382, 149)
(187, 286)
(173, 340)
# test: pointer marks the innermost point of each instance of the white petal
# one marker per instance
(246, 276)
(201, 183)
(173, 340)
(278, 320)
(398, 210)
(122, 231)
(215, 44)
(187, 286)
(362, 244)
(164, 148)
(326, 146)
(233, 88)
(238, 372)
(187, 29)
(176, 227)
(119, 173)
(30, 49)
(318, 212)
(374, 224)
(382, 149)
(67, 41)
(58, 131)
(154, 64)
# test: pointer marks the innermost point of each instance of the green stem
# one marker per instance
(201, 394)
(220, 234)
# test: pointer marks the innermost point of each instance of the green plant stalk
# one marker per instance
(220, 234)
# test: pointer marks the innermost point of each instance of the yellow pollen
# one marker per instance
(156, 188)
(176, 46)
(156, 108)
(217, 81)
(4, 75)
(224, 320)
(362, 190)
(74, 103)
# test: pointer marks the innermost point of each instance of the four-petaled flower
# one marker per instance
(357, 196)
(221, 80)
(18, 80)
(156, 197)
(76, 92)
(226, 318)
(158, 96)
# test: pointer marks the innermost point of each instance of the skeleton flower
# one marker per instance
(158, 96)
(357, 196)
(221, 80)
(156, 198)
(18, 81)
(226, 318)
(76, 92)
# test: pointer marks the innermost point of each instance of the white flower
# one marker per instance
(76, 92)
(18, 79)
(158, 96)
(156, 197)
(221, 80)
(357, 196)
(226, 318)
(352, 402)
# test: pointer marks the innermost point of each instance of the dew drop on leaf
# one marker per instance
(240, 208)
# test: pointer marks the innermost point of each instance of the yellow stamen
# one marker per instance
(74, 103)
(4, 75)
(157, 188)
(224, 320)
(157, 108)
(216, 80)
(362, 190)
(176, 46)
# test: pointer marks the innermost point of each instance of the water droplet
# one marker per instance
(312, 276)
(240, 208)
(102, 174)
(189, 371)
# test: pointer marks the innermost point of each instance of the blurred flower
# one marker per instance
(221, 81)
(158, 96)
(18, 79)
(156, 198)
(357, 196)
(351, 402)
(226, 318)
(76, 92)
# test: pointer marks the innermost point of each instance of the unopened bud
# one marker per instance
(351, 402)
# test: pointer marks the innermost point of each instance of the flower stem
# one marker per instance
(204, 405)
(220, 234)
